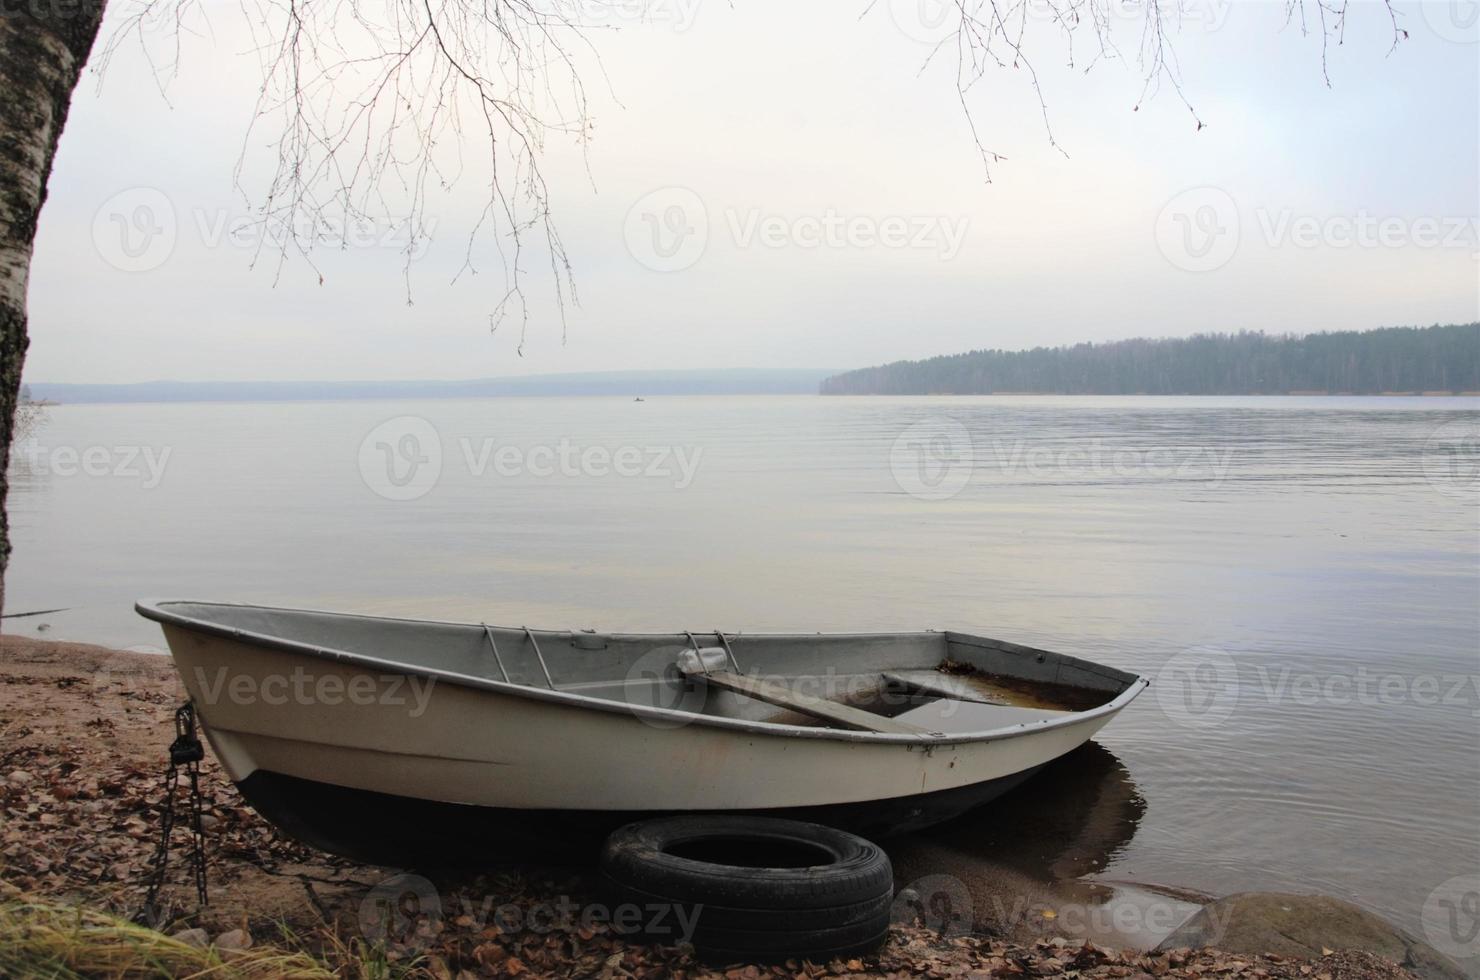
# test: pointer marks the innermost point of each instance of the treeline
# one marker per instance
(1392, 359)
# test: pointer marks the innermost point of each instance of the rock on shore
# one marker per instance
(1306, 926)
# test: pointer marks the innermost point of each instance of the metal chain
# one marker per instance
(185, 751)
(198, 836)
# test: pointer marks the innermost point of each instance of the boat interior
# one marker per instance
(921, 683)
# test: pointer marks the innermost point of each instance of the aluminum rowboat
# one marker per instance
(411, 743)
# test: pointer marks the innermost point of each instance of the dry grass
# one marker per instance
(61, 942)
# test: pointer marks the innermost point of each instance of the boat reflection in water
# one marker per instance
(1019, 867)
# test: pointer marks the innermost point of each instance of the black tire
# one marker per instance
(763, 920)
(851, 870)
(752, 889)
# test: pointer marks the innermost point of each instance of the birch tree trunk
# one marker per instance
(43, 46)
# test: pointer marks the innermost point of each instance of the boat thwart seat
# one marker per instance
(842, 715)
(712, 664)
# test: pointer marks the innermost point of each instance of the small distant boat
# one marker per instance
(420, 743)
(639, 398)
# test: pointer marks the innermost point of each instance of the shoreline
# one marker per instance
(83, 732)
(649, 395)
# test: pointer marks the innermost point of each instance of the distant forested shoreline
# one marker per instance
(1407, 360)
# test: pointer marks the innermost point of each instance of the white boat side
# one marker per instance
(575, 727)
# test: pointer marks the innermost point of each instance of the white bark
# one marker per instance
(34, 65)
(42, 48)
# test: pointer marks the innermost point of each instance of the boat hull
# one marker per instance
(391, 765)
(378, 828)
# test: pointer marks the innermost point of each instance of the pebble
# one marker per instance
(192, 937)
(235, 939)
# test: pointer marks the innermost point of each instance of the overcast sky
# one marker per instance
(777, 184)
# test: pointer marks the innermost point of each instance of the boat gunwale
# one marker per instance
(153, 609)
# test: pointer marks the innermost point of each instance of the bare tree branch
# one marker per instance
(997, 34)
(368, 104)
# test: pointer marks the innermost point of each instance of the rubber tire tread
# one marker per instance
(759, 920)
(634, 857)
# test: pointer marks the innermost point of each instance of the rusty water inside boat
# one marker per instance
(1014, 691)
(889, 697)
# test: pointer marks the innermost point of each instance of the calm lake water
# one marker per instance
(1301, 577)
